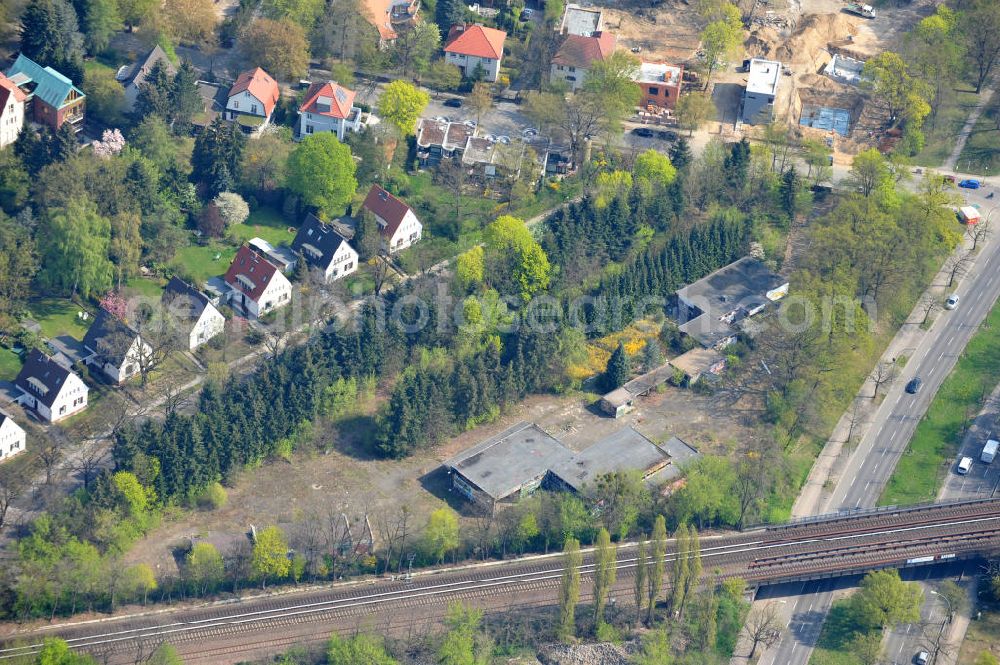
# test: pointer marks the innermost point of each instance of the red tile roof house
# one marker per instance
(329, 107)
(397, 224)
(475, 50)
(575, 56)
(388, 15)
(257, 286)
(251, 100)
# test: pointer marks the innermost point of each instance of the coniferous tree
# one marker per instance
(184, 94)
(788, 192)
(680, 154)
(618, 370)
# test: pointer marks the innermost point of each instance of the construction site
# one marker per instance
(821, 47)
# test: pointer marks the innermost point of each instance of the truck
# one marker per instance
(989, 451)
(864, 11)
(969, 215)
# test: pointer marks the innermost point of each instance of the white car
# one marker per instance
(951, 302)
(964, 465)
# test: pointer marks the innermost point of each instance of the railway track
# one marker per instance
(840, 544)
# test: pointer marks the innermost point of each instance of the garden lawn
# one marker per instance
(266, 223)
(935, 442)
(951, 117)
(58, 316)
(10, 365)
(982, 151)
(199, 262)
(144, 286)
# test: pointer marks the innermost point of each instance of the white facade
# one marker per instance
(572, 76)
(244, 103)
(72, 399)
(11, 121)
(408, 232)
(277, 294)
(209, 324)
(137, 353)
(317, 123)
(344, 262)
(12, 438)
(469, 63)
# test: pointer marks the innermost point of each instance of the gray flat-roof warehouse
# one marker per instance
(517, 461)
(709, 307)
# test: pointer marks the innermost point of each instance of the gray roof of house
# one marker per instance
(322, 237)
(47, 372)
(500, 465)
(623, 450)
(109, 338)
(681, 454)
(183, 301)
(136, 73)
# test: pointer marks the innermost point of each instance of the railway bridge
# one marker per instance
(827, 546)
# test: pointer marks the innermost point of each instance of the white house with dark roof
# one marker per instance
(196, 316)
(133, 76)
(12, 437)
(397, 223)
(256, 285)
(324, 249)
(116, 349)
(50, 388)
(329, 107)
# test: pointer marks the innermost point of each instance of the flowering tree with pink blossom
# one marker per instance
(111, 144)
(113, 303)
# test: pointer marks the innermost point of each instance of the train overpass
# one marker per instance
(827, 546)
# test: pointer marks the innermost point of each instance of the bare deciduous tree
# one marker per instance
(979, 232)
(380, 272)
(90, 460)
(957, 266)
(763, 626)
(883, 374)
(928, 304)
(11, 487)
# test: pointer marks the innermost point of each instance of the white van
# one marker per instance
(964, 465)
(989, 451)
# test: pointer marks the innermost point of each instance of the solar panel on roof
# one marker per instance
(341, 97)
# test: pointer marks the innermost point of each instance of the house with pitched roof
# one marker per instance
(388, 16)
(133, 76)
(329, 107)
(325, 249)
(575, 56)
(11, 111)
(50, 388)
(193, 312)
(257, 286)
(12, 437)
(50, 98)
(115, 348)
(397, 223)
(476, 50)
(251, 100)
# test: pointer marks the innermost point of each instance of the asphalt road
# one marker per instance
(889, 435)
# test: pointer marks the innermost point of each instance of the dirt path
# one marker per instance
(984, 98)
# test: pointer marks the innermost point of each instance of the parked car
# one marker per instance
(969, 183)
(964, 465)
(913, 387)
(667, 135)
(951, 302)
(921, 658)
(644, 132)
(526, 14)
(453, 103)
(949, 178)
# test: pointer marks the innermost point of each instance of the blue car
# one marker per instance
(970, 183)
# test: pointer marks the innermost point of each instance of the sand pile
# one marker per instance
(806, 47)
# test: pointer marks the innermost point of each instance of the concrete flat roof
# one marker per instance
(501, 464)
(623, 450)
(746, 281)
(657, 72)
(763, 77)
(583, 21)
